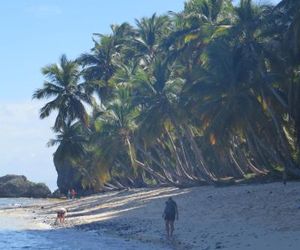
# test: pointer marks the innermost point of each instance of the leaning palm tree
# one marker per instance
(114, 135)
(286, 30)
(223, 105)
(157, 93)
(63, 86)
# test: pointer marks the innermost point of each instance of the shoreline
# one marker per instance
(255, 216)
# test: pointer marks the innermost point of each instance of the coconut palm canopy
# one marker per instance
(206, 95)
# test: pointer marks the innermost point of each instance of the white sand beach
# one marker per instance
(262, 216)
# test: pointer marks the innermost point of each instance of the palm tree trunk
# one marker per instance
(178, 164)
(181, 169)
(236, 163)
(290, 167)
(171, 173)
(203, 170)
(152, 172)
(131, 154)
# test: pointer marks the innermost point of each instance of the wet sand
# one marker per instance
(264, 216)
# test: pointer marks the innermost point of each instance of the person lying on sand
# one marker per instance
(169, 215)
(61, 214)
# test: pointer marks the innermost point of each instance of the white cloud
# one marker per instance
(23, 138)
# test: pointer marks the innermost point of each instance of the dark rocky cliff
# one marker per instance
(19, 186)
(68, 176)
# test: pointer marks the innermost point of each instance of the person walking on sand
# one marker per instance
(169, 215)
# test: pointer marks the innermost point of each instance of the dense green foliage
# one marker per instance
(201, 96)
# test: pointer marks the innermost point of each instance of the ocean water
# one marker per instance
(18, 233)
(16, 202)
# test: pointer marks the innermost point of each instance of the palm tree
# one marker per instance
(233, 80)
(114, 137)
(209, 11)
(99, 65)
(285, 37)
(224, 105)
(68, 95)
(157, 92)
(288, 14)
(149, 33)
(204, 95)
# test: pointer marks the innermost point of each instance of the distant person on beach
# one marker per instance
(73, 193)
(69, 196)
(169, 215)
(61, 214)
(284, 177)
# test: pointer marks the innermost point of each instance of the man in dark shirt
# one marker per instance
(169, 215)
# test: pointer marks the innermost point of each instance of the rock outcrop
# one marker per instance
(19, 186)
(57, 194)
(68, 176)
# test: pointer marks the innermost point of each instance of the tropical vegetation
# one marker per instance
(205, 96)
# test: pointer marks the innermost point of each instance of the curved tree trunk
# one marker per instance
(205, 174)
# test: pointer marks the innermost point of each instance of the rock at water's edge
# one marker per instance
(19, 186)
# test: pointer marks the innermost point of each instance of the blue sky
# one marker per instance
(35, 33)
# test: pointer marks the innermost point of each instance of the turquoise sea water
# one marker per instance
(15, 233)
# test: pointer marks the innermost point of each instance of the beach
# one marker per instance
(260, 216)
(20, 228)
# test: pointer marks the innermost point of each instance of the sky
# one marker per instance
(35, 33)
